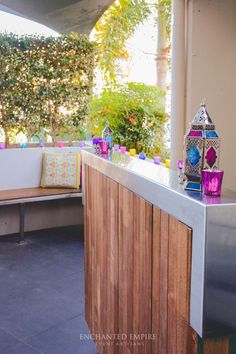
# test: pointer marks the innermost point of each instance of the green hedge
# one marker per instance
(45, 82)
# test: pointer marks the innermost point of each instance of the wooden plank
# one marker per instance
(126, 265)
(186, 337)
(142, 275)
(34, 193)
(110, 257)
(156, 279)
(171, 286)
(114, 264)
(163, 309)
(87, 250)
(101, 258)
(216, 346)
(172, 323)
(97, 256)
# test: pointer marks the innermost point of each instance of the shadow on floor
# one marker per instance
(42, 294)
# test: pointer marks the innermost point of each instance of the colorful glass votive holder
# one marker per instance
(104, 147)
(142, 156)
(2, 146)
(23, 145)
(212, 182)
(41, 143)
(132, 152)
(123, 149)
(82, 144)
(116, 147)
(60, 144)
(167, 163)
(180, 164)
(157, 160)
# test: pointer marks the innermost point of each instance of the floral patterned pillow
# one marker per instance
(61, 170)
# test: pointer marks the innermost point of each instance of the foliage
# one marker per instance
(45, 82)
(113, 29)
(119, 23)
(136, 115)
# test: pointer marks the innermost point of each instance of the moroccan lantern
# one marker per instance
(202, 148)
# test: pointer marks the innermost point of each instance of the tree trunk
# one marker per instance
(162, 49)
(6, 137)
(52, 119)
(53, 131)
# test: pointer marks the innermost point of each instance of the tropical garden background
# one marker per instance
(65, 87)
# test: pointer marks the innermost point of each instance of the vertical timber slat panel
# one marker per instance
(171, 286)
(101, 257)
(87, 251)
(112, 246)
(163, 309)
(142, 274)
(156, 279)
(172, 322)
(126, 265)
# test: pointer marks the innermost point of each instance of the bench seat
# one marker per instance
(27, 195)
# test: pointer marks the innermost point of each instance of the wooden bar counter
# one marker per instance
(160, 262)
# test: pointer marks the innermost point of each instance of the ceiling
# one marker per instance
(63, 16)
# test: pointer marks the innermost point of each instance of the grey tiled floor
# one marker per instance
(42, 294)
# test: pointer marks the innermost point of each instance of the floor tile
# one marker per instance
(67, 338)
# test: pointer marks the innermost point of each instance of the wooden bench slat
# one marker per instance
(34, 193)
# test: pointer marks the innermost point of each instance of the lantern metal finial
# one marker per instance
(203, 103)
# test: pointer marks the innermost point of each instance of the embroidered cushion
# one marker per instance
(61, 170)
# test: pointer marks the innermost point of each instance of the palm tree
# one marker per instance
(119, 23)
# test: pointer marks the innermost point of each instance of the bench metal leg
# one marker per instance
(22, 223)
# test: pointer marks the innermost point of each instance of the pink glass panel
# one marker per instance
(212, 182)
(211, 157)
(195, 133)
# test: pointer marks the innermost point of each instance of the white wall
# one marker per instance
(211, 72)
(21, 168)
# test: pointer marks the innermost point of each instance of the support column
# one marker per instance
(178, 72)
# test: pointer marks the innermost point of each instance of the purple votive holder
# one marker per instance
(82, 144)
(142, 156)
(116, 147)
(104, 147)
(180, 164)
(157, 160)
(212, 182)
(2, 146)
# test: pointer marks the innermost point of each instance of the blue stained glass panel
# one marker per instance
(193, 156)
(211, 134)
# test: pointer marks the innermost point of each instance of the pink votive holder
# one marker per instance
(212, 182)
(2, 146)
(123, 149)
(104, 147)
(60, 144)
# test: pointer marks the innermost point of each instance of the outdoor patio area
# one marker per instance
(42, 294)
